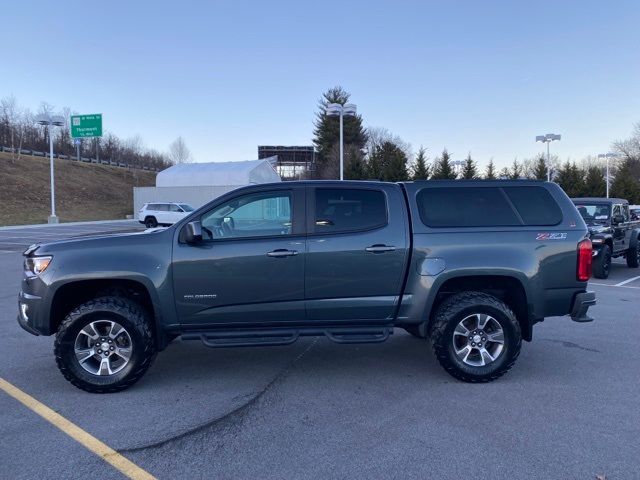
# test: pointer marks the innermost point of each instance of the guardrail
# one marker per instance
(73, 158)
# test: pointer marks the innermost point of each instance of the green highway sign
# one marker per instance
(83, 126)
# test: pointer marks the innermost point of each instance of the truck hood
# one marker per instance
(97, 241)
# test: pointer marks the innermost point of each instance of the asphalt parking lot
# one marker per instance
(568, 409)
(16, 239)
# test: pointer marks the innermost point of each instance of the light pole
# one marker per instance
(548, 138)
(457, 166)
(607, 156)
(51, 121)
(337, 109)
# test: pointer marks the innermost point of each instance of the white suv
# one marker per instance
(162, 213)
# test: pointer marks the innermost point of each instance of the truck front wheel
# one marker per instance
(476, 337)
(105, 345)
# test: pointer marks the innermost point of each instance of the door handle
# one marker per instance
(380, 248)
(281, 253)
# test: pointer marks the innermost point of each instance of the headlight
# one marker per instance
(36, 265)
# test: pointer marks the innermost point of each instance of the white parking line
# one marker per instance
(629, 280)
(613, 285)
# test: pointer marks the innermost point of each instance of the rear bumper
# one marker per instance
(581, 304)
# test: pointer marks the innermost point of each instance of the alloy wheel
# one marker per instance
(103, 347)
(478, 340)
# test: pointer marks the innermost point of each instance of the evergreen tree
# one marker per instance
(504, 174)
(442, 169)
(626, 184)
(327, 134)
(470, 169)
(490, 173)
(388, 163)
(355, 167)
(594, 183)
(571, 179)
(420, 168)
(516, 170)
(539, 170)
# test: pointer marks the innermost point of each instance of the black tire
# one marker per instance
(414, 330)
(633, 255)
(602, 263)
(460, 306)
(130, 315)
(150, 222)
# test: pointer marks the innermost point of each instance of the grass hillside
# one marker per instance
(83, 191)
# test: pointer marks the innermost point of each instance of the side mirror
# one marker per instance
(618, 219)
(193, 232)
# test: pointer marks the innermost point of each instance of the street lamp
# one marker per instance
(457, 166)
(51, 121)
(337, 109)
(607, 156)
(548, 138)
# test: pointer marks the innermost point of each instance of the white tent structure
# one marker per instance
(199, 183)
(217, 173)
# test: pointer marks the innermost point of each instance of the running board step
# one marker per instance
(286, 336)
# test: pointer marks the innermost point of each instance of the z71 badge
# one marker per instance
(551, 236)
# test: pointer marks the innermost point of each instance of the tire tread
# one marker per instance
(448, 310)
(129, 309)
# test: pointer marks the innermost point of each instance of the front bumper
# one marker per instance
(581, 304)
(27, 311)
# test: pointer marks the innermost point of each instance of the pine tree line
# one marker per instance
(376, 154)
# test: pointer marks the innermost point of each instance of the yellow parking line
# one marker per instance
(87, 440)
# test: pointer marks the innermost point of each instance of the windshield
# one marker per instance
(186, 207)
(595, 214)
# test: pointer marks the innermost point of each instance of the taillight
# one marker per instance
(584, 260)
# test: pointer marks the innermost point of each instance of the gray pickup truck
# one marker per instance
(471, 266)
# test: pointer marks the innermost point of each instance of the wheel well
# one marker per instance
(507, 289)
(73, 294)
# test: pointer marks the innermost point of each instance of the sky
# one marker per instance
(483, 77)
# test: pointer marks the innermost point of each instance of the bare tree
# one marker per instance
(376, 136)
(16, 123)
(179, 152)
(630, 148)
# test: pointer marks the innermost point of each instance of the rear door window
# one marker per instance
(349, 210)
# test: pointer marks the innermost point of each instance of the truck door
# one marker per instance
(249, 267)
(357, 250)
(619, 229)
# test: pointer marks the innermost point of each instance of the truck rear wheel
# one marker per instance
(602, 263)
(476, 337)
(105, 345)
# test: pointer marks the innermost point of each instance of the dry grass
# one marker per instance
(83, 191)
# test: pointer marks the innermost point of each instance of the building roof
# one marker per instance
(218, 174)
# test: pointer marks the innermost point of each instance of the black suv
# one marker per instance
(613, 230)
